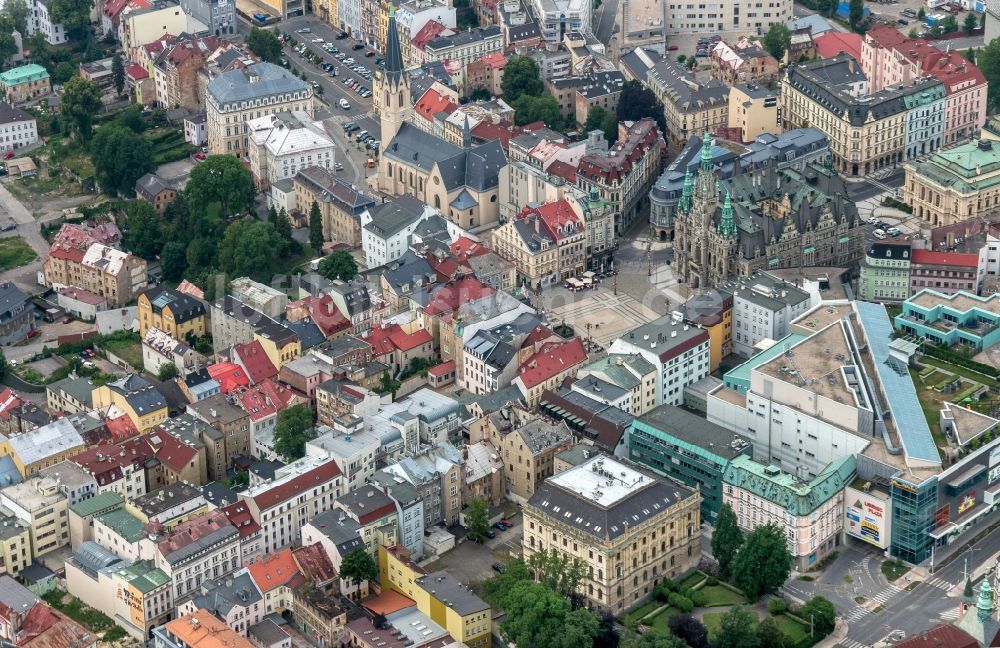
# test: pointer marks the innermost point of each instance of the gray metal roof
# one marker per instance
(255, 82)
(222, 595)
(394, 216)
(479, 167)
(342, 530)
(683, 425)
(12, 301)
(142, 395)
(540, 435)
(93, 557)
(452, 593)
(393, 52)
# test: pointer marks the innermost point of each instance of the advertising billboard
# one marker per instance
(867, 517)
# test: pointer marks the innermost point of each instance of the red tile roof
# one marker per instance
(427, 33)
(432, 102)
(385, 340)
(552, 359)
(240, 517)
(564, 170)
(953, 259)
(122, 428)
(170, 451)
(942, 636)
(833, 43)
(9, 400)
(618, 162)
(314, 562)
(273, 570)
(43, 627)
(446, 268)
(189, 288)
(136, 71)
(448, 297)
(107, 463)
(327, 316)
(465, 248)
(192, 530)
(387, 602)
(277, 494)
(558, 217)
(950, 68)
(442, 368)
(252, 357)
(266, 399)
(495, 59)
(230, 376)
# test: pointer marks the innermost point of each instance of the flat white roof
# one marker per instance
(601, 480)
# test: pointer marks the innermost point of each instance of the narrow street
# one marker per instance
(13, 211)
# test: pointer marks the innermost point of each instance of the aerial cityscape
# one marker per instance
(499, 324)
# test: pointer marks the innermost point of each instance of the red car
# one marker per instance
(672, 48)
(199, 156)
(33, 333)
(8, 155)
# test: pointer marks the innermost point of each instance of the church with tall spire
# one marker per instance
(762, 218)
(461, 182)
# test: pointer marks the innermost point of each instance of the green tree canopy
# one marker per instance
(358, 567)
(822, 614)
(293, 429)
(220, 183)
(173, 260)
(81, 100)
(778, 40)
(168, 371)
(521, 77)
(249, 248)
(17, 11)
(736, 629)
(143, 229)
(315, 227)
(949, 24)
(652, 639)
(538, 616)
(283, 226)
(264, 44)
(763, 562)
(559, 572)
(73, 15)
(120, 157)
(529, 109)
(497, 589)
(118, 73)
(726, 540)
(971, 22)
(638, 101)
(769, 635)
(690, 629)
(856, 13)
(600, 119)
(3, 365)
(8, 46)
(477, 519)
(338, 265)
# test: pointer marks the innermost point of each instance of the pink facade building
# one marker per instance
(889, 58)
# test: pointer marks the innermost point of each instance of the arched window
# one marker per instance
(437, 202)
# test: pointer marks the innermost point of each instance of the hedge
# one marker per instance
(942, 353)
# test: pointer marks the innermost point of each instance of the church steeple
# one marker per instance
(984, 606)
(466, 134)
(393, 52)
(706, 152)
(727, 226)
(688, 191)
(394, 85)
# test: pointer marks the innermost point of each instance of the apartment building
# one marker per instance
(464, 47)
(116, 276)
(173, 312)
(754, 110)
(18, 129)
(299, 491)
(39, 21)
(436, 473)
(409, 509)
(235, 97)
(959, 319)
(630, 373)
(205, 547)
(811, 513)
(692, 107)
(39, 505)
(547, 367)
(139, 399)
(145, 24)
(376, 515)
(219, 16)
(890, 59)
(15, 546)
(945, 272)
(546, 242)
(283, 143)
(867, 130)
(175, 71)
(885, 273)
(528, 452)
(42, 447)
(624, 560)
(954, 184)
(764, 307)
(744, 61)
(199, 629)
(740, 16)
(24, 83)
(340, 203)
(232, 435)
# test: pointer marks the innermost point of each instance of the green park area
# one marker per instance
(15, 252)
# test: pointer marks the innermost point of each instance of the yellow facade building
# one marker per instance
(281, 344)
(713, 311)
(173, 312)
(15, 546)
(449, 603)
(43, 447)
(145, 406)
(754, 109)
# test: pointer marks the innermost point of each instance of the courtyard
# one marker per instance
(598, 314)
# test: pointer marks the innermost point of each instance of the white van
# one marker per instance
(878, 234)
(344, 104)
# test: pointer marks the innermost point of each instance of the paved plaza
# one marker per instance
(608, 315)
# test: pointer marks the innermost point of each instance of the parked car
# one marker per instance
(338, 167)
(348, 61)
(507, 522)
(903, 21)
(357, 46)
(8, 227)
(199, 155)
(498, 568)
(341, 35)
(8, 155)
(32, 333)
(304, 30)
(879, 234)
(672, 48)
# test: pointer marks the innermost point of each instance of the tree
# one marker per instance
(264, 44)
(118, 73)
(173, 260)
(921, 14)
(338, 265)
(736, 629)
(821, 613)
(856, 14)
(221, 182)
(778, 40)
(293, 429)
(8, 46)
(497, 588)
(480, 94)
(690, 629)
(763, 562)
(971, 22)
(529, 109)
(477, 520)
(726, 540)
(638, 101)
(949, 24)
(143, 230)
(80, 102)
(538, 616)
(651, 639)
(63, 72)
(521, 76)
(249, 248)
(989, 64)
(168, 371)
(315, 227)
(3, 365)
(561, 573)
(120, 157)
(73, 15)
(17, 11)
(607, 635)
(283, 226)
(600, 119)
(769, 635)
(358, 567)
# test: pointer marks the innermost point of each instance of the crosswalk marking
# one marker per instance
(886, 594)
(939, 583)
(949, 615)
(856, 613)
(847, 642)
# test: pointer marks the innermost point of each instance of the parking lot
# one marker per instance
(472, 563)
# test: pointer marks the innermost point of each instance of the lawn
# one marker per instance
(961, 371)
(719, 595)
(642, 610)
(15, 252)
(795, 630)
(893, 569)
(168, 145)
(713, 622)
(126, 348)
(692, 579)
(659, 622)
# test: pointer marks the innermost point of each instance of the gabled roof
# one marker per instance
(551, 360)
(950, 259)
(182, 306)
(229, 375)
(255, 361)
(274, 570)
(274, 495)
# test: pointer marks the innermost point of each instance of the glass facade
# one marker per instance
(913, 507)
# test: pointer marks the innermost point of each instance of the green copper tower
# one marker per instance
(727, 226)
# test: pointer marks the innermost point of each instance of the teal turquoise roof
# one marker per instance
(23, 74)
(959, 166)
(738, 377)
(144, 576)
(96, 503)
(787, 491)
(124, 524)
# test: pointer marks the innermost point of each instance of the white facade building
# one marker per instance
(386, 229)
(39, 21)
(17, 128)
(763, 308)
(283, 143)
(351, 445)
